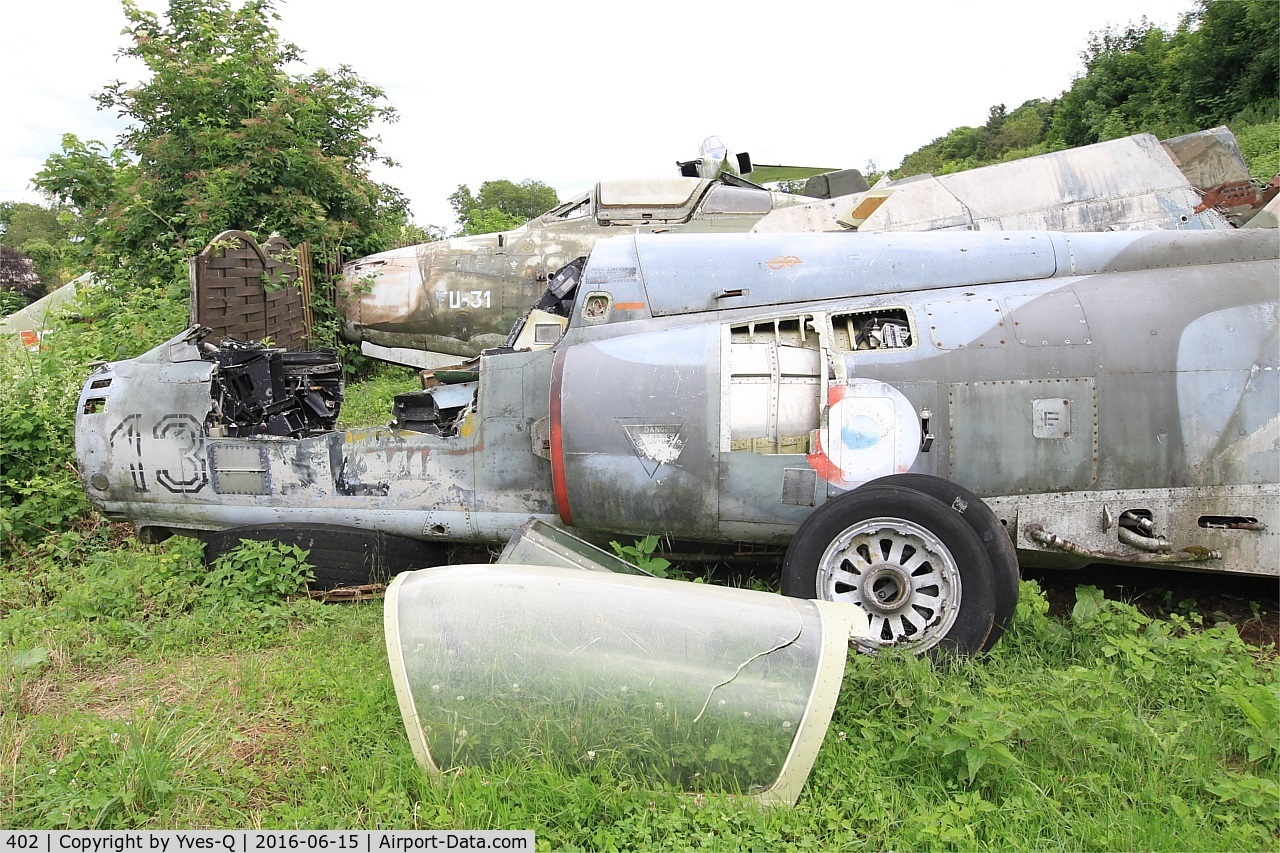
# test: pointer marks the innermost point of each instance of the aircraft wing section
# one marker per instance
(1131, 183)
(761, 173)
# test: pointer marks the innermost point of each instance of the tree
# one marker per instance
(1023, 131)
(1221, 65)
(960, 149)
(38, 234)
(47, 259)
(992, 134)
(1131, 85)
(501, 205)
(21, 221)
(490, 220)
(413, 235)
(18, 276)
(794, 187)
(221, 136)
(1232, 62)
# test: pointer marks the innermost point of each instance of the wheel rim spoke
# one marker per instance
(841, 576)
(916, 560)
(900, 623)
(920, 585)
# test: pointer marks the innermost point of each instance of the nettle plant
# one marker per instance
(641, 554)
(260, 572)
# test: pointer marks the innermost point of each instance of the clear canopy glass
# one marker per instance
(698, 686)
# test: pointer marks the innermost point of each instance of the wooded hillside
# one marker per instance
(1220, 66)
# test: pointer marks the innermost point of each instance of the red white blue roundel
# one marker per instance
(870, 430)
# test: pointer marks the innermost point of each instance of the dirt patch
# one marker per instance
(265, 743)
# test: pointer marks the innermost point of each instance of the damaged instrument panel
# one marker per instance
(261, 390)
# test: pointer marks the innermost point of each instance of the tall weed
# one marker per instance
(40, 491)
(257, 573)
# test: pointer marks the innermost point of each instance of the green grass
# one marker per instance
(368, 402)
(136, 697)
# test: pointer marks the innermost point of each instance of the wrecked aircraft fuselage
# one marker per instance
(430, 304)
(1112, 397)
(1139, 183)
(433, 303)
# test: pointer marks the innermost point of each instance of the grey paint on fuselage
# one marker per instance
(1065, 378)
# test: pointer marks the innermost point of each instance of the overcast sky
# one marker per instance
(570, 92)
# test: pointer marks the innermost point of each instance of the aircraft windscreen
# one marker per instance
(727, 199)
(696, 686)
(574, 208)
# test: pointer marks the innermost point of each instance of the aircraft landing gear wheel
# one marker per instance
(916, 568)
(1000, 550)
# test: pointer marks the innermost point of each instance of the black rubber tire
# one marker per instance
(342, 556)
(961, 555)
(994, 535)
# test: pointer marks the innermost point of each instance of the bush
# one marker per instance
(40, 489)
(1258, 144)
(260, 572)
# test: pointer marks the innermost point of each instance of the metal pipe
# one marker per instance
(1052, 540)
(1155, 544)
(1192, 554)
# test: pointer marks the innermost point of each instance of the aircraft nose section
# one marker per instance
(92, 434)
(382, 289)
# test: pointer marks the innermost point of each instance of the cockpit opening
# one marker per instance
(261, 390)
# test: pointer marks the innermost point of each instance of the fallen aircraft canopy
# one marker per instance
(692, 685)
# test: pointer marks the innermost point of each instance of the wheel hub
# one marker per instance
(901, 574)
(886, 589)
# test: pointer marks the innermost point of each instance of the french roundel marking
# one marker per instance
(871, 431)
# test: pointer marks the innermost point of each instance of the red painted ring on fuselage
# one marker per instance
(559, 486)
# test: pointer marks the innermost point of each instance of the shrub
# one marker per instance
(259, 572)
